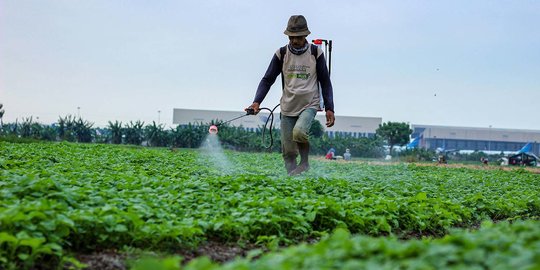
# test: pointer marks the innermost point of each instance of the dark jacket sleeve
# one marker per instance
(274, 69)
(326, 84)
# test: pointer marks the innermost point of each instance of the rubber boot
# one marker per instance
(303, 148)
(290, 164)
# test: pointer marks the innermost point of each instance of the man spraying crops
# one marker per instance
(302, 67)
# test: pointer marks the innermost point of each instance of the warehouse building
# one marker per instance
(431, 136)
(345, 125)
(479, 139)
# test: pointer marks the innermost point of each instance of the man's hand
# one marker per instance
(254, 107)
(330, 118)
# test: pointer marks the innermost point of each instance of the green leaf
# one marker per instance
(23, 256)
(120, 228)
(34, 243)
(421, 196)
(310, 216)
(6, 237)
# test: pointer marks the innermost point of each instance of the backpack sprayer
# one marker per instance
(327, 51)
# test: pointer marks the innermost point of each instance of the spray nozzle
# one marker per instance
(213, 129)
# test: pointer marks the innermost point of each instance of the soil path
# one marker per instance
(434, 164)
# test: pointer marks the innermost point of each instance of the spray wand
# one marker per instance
(250, 111)
(214, 128)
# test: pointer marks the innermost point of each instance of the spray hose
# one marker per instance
(271, 119)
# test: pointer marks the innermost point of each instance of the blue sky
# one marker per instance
(459, 63)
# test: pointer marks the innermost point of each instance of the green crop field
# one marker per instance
(60, 202)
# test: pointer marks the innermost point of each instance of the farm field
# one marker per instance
(64, 205)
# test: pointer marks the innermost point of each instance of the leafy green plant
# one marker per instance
(501, 246)
(416, 155)
(79, 197)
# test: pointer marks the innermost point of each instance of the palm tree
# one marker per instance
(134, 132)
(83, 130)
(116, 132)
(2, 111)
(156, 135)
(26, 127)
(66, 128)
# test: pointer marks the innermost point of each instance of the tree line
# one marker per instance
(75, 129)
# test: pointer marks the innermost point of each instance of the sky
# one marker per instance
(455, 63)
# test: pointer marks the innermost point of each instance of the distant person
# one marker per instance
(484, 160)
(347, 155)
(330, 154)
(442, 159)
(503, 161)
(303, 68)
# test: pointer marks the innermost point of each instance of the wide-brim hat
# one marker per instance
(297, 26)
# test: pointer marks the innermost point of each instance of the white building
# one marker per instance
(474, 138)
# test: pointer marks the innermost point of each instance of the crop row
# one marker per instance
(58, 197)
(493, 246)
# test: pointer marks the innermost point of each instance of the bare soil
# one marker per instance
(216, 251)
(104, 260)
(482, 167)
(435, 164)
